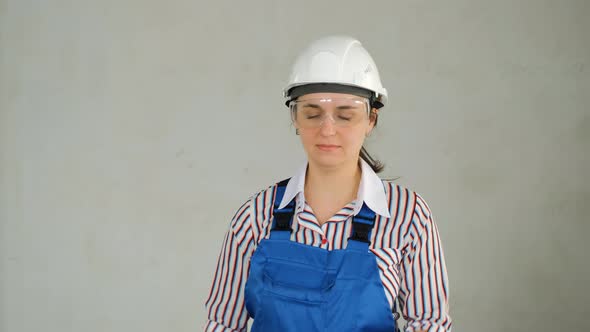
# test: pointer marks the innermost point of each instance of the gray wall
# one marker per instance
(131, 131)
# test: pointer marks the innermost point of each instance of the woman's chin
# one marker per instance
(327, 160)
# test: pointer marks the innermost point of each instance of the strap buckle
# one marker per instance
(360, 231)
(282, 221)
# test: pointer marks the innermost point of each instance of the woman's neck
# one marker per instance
(338, 185)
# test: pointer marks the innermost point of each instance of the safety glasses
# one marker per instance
(341, 111)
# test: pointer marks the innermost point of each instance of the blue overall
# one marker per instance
(296, 287)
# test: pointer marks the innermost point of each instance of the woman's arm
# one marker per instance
(225, 304)
(424, 292)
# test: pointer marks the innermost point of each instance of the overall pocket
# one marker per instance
(294, 297)
(297, 281)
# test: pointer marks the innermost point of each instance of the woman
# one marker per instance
(333, 247)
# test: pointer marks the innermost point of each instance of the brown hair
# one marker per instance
(375, 164)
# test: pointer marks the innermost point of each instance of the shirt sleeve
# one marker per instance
(424, 293)
(225, 304)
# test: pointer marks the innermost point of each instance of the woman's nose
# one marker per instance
(328, 126)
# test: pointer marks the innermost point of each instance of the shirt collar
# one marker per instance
(371, 191)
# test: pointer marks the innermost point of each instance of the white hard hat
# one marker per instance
(336, 64)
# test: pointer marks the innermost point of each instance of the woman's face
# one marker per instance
(332, 127)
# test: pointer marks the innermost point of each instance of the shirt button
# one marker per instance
(324, 241)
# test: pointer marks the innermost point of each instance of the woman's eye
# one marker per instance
(344, 118)
(312, 116)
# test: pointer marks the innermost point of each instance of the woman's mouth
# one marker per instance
(327, 147)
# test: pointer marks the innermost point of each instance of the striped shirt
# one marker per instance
(404, 240)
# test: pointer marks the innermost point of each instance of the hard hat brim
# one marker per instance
(296, 91)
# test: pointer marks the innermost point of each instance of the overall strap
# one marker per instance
(281, 221)
(362, 225)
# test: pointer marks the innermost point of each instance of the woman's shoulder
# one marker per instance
(259, 207)
(393, 188)
(254, 211)
(267, 192)
(261, 201)
(402, 198)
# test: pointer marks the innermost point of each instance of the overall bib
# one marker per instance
(296, 287)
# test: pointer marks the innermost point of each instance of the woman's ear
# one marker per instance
(373, 117)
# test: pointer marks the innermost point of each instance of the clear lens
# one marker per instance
(343, 112)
